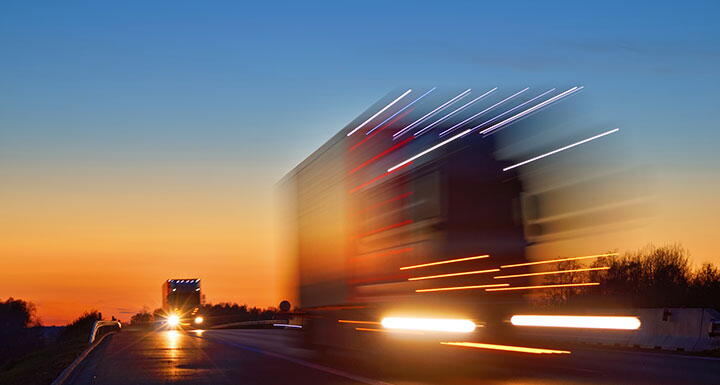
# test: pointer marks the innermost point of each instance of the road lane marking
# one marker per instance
(298, 361)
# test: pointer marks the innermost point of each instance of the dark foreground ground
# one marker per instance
(270, 357)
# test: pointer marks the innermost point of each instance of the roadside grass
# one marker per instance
(42, 366)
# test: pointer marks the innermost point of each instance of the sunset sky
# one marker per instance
(141, 142)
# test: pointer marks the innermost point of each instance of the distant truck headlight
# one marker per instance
(199, 320)
(173, 320)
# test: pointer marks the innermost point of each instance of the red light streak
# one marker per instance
(393, 199)
(380, 155)
(377, 178)
(380, 230)
(386, 125)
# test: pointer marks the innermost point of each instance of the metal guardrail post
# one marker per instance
(99, 324)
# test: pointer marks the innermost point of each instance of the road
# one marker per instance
(269, 357)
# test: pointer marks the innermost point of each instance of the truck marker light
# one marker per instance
(520, 349)
(444, 262)
(429, 324)
(543, 286)
(569, 321)
(395, 114)
(514, 108)
(431, 113)
(377, 178)
(379, 112)
(435, 123)
(462, 287)
(453, 274)
(552, 272)
(559, 260)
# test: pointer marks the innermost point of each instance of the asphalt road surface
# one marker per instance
(270, 357)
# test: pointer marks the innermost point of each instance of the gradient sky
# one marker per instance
(142, 141)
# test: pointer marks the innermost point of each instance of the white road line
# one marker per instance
(298, 361)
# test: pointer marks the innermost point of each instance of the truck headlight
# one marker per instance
(199, 320)
(173, 320)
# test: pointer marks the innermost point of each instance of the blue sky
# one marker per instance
(191, 111)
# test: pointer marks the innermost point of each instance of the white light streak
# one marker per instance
(435, 123)
(585, 322)
(431, 113)
(530, 110)
(428, 150)
(514, 108)
(288, 326)
(482, 112)
(562, 149)
(429, 324)
(400, 111)
(380, 112)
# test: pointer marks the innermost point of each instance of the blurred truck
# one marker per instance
(181, 301)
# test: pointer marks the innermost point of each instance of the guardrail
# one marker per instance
(269, 322)
(100, 324)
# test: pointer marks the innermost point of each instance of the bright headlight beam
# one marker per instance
(173, 320)
(507, 348)
(584, 322)
(429, 324)
(379, 112)
(431, 113)
(435, 123)
(562, 149)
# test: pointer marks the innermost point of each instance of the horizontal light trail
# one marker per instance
(383, 203)
(530, 110)
(435, 123)
(463, 287)
(390, 227)
(572, 321)
(389, 124)
(552, 272)
(380, 155)
(559, 260)
(507, 348)
(408, 161)
(562, 149)
(429, 324)
(387, 331)
(401, 110)
(458, 125)
(288, 326)
(431, 113)
(453, 274)
(386, 253)
(444, 262)
(515, 108)
(377, 178)
(379, 112)
(347, 321)
(544, 286)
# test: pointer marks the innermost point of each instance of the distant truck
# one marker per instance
(181, 302)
